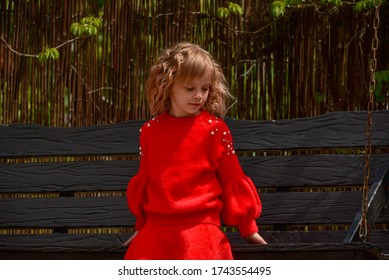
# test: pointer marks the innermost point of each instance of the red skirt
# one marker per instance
(179, 242)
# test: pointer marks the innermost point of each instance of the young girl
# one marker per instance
(189, 176)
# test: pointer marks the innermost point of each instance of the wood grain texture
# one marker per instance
(311, 170)
(108, 246)
(67, 176)
(270, 171)
(65, 212)
(34, 140)
(64, 242)
(279, 208)
(376, 202)
(330, 130)
(308, 251)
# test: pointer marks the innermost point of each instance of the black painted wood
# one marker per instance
(281, 209)
(65, 212)
(330, 130)
(315, 132)
(308, 251)
(250, 252)
(311, 170)
(270, 171)
(67, 176)
(34, 140)
(375, 204)
(294, 245)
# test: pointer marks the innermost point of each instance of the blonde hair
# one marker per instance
(186, 61)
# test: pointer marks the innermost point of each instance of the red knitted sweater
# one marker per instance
(189, 173)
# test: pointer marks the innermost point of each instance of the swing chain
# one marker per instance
(363, 229)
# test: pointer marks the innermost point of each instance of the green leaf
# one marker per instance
(76, 29)
(333, 2)
(42, 57)
(88, 26)
(382, 78)
(278, 8)
(320, 96)
(48, 53)
(56, 53)
(359, 6)
(234, 8)
(223, 12)
(91, 30)
(98, 23)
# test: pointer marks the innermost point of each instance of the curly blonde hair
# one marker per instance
(186, 61)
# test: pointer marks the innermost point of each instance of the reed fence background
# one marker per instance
(312, 60)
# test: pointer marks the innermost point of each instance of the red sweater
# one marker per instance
(189, 173)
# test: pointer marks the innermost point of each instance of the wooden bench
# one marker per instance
(62, 190)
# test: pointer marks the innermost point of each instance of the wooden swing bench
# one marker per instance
(62, 190)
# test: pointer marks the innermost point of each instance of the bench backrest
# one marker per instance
(309, 172)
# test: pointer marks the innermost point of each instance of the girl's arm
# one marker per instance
(130, 239)
(136, 189)
(241, 202)
(255, 238)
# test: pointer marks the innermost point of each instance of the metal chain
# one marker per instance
(363, 229)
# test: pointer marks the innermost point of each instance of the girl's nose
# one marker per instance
(198, 95)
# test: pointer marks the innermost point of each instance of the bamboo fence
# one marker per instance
(311, 61)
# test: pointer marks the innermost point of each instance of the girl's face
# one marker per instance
(188, 98)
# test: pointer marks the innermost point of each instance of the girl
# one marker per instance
(189, 176)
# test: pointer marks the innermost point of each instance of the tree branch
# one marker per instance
(15, 51)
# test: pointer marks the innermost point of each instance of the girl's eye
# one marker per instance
(205, 89)
(189, 88)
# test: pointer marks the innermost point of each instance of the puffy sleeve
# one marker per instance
(136, 189)
(241, 202)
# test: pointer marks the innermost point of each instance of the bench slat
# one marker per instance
(375, 203)
(314, 132)
(335, 130)
(67, 176)
(60, 242)
(324, 208)
(104, 245)
(35, 140)
(312, 170)
(330, 130)
(273, 171)
(309, 251)
(65, 212)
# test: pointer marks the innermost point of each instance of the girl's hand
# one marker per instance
(255, 238)
(130, 239)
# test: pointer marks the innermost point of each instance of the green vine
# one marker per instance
(88, 26)
(382, 86)
(279, 7)
(232, 8)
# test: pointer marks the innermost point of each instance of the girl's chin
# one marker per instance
(191, 111)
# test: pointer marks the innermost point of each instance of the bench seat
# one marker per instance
(62, 190)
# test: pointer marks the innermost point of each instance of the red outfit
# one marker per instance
(189, 178)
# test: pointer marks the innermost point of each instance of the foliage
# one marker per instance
(88, 26)
(279, 6)
(233, 8)
(382, 85)
(48, 53)
(293, 66)
(368, 4)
